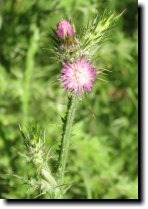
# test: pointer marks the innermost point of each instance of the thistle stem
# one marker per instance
(53, 187)
(67, 128)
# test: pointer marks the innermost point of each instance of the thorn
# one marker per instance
(48, 153)
(39, 195)
(52, 124)
(102, 73)
(121, 13)
(105, 70)
(25, 137)
(23, 155)
(63, 119)
(44, 136)
(102, 80)
(67, 188)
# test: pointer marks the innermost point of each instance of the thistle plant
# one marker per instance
(36, 155)
(75, 50)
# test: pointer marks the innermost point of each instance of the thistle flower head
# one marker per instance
(64, 29)
(78, 76)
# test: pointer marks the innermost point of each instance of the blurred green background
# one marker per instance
(103, 160)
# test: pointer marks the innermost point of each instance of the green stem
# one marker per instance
(54, 190)
(33, 46)
(46, 174)
(67, 128)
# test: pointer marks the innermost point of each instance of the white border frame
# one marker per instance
(3, 204)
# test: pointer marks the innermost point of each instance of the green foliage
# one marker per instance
(103, 156)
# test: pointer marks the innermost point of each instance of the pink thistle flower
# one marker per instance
(64, 29)
(78, 76)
